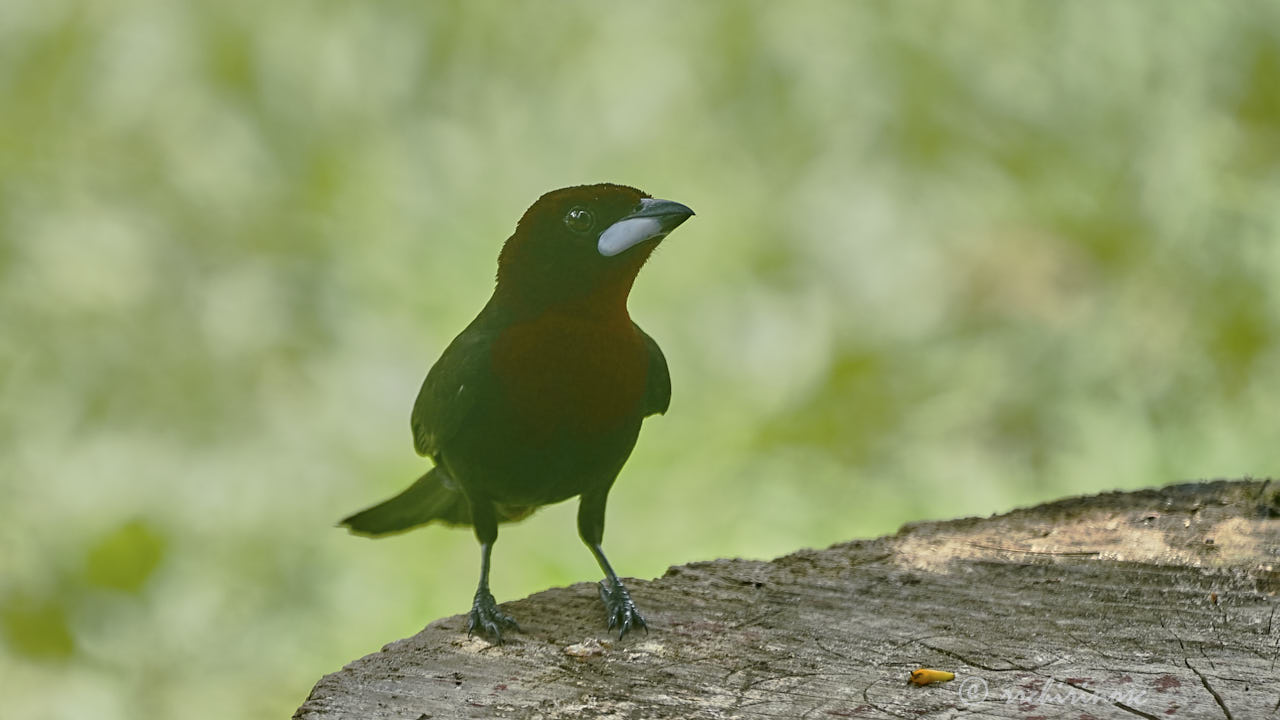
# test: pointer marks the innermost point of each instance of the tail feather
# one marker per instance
(433, 496)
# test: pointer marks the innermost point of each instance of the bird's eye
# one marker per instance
(579, 220)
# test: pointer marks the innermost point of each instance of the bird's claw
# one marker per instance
(622, 611)
(487, 619)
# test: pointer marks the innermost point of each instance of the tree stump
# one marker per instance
(1152, 604)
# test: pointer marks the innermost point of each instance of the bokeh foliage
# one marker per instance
(950, 257)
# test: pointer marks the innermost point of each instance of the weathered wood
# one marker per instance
(1153, 604)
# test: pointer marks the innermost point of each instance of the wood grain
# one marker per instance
(1153, 604)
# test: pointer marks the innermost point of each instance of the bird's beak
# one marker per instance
(654, 219)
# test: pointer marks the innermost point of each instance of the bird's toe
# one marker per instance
(622, 612)
(486, 619)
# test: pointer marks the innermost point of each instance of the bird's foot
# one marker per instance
(487, 619)
(622, 611)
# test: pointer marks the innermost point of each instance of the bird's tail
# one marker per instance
(434, 496)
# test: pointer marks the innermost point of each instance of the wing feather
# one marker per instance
(450, 390)
(657, 392)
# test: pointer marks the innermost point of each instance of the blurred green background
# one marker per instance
(949, 258)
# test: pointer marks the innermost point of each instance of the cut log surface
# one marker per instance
(1151, 604)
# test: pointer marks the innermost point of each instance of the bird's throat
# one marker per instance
(600, 294)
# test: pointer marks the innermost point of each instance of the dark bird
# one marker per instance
(541, 397)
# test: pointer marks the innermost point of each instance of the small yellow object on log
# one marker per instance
(924, 676)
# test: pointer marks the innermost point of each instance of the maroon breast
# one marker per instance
(562, 373)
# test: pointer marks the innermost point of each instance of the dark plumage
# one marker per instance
(541, 397)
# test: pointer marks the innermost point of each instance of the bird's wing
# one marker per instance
(451, 389)
(657, 392)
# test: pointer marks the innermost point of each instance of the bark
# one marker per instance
(1152, 604)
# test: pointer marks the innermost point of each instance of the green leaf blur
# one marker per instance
(35, 627)
(949, 258)
(125, 558)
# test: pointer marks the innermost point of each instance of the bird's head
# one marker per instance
(584, 244)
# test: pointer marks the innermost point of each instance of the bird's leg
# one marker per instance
(485, 616)
(617, 601)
